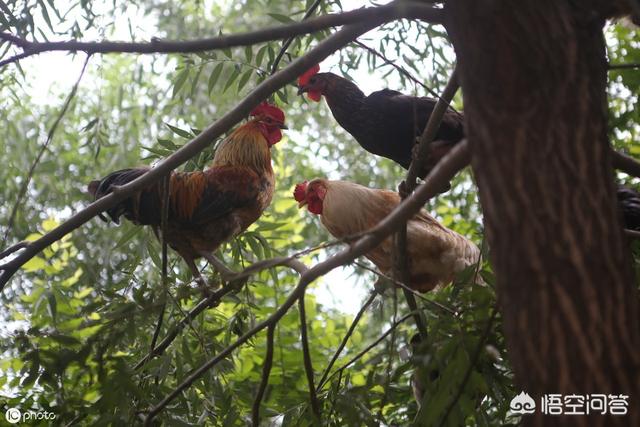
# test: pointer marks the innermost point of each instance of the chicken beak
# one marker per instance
(302, 203)
(282, 126)
(302, 89)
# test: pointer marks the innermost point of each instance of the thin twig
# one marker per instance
(472, 364)
(401, 69)
(392, 347)
(623, 66)
(266, 371)
(395, 10)
(43, 148)
(453, 162)
(306, 353)
(290, 40)
(367, 349)
(15, 58)
(401, 271)
(405, 287)
(234, 283)
(352, 328)
(164, 218)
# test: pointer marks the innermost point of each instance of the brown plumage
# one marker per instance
(435, 253)
(386, 122)
(210, 207)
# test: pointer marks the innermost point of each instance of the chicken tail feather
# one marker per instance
(143, 207)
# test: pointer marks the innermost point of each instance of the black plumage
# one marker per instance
(385, 123)
(629, 204)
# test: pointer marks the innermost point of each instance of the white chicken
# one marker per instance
(435, 253)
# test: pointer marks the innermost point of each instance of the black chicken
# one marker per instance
(386, 122)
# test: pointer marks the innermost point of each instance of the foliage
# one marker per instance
(79, 316)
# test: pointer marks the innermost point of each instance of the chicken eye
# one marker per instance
(312, 80)
(269, 120)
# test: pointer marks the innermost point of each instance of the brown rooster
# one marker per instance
(435, 253)
(210, 207)
(386, 122)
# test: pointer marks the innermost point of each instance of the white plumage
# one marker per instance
(435, 253)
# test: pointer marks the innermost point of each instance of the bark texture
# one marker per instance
(533, 75)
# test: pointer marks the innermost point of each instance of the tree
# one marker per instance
(538, 132)
(97, 334)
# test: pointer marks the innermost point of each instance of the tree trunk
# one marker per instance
(533, 75)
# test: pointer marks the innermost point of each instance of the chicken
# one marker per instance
(629, 205)
(207, 208)
(435, 253)
(386, 122)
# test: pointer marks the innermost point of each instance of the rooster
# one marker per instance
(207, 208)
(385, 123)
(435, 253)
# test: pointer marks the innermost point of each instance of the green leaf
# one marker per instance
(45, 15)
(34, 264)
(52, 306)
(213, 77)
(244, 79)
(281, 18)
(180, 132)
(248, 53)
(234, 75)
(179, 81)
(260, 55)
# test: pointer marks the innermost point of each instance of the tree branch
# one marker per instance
(308, 367)
(266, 371)
(401, 261)
(395, 10)
(192, 148)
(430, 130)
(625, 163)
(623, 66)
(632, 234)
(453, 162)
(11, 249)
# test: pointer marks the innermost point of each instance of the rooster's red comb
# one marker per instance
(301, 191)
(304, 79)
(269, 110)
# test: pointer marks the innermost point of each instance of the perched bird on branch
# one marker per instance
(207, 208)
(435, 253)
(386, 122)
